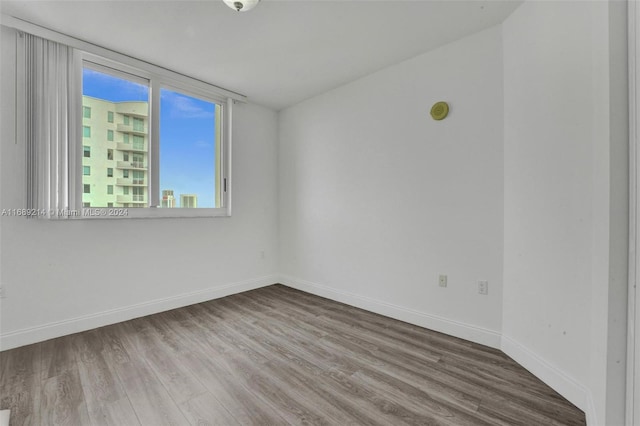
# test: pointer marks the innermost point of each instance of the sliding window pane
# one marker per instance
(190, 130)
(107, 95)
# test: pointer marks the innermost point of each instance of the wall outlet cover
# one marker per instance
(442, 280)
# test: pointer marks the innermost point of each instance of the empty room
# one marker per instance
(349, 212)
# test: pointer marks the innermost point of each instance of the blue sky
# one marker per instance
(187, 134)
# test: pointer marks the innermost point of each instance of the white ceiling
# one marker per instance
(277, 54)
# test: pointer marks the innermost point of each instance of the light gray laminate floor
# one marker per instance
(271, 356)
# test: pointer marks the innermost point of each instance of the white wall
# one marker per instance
(612, 395)
(377, 199)
(565, 214)
(549, 119)
(63, 276)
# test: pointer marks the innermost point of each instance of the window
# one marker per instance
(86, 204)
(190, 144)
(138, 177)
(138, 124)
(109, 205)
(138, 161)
(191, 166)
(125, 190)
(138, 194)
(182, 106)
(109, 90)
(188, 201)
(179, 135)
(138, 142)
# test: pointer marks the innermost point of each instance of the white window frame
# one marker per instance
(156, 82)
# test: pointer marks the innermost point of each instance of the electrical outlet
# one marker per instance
(483, 287)
(442, 280)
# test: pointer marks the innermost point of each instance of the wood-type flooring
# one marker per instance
(271, 356)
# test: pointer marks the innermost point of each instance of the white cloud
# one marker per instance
(183, 106)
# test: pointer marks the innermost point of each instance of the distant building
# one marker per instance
(189, 201)
(115, 153)
(168, 200)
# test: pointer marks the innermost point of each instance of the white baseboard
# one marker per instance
(573, 391)
(566, 386)
(4, 417)
(52, 330)
(590, 411)
(454, 328)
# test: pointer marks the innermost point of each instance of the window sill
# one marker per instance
(111, 213)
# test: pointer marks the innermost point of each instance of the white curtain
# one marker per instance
(49, 124)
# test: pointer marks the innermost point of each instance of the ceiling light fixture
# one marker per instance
(241, 5)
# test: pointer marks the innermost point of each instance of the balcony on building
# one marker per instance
(130, 147)
(130, 128)
(131, 165)
(135, 199)
(130, 182)
(134, 109)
